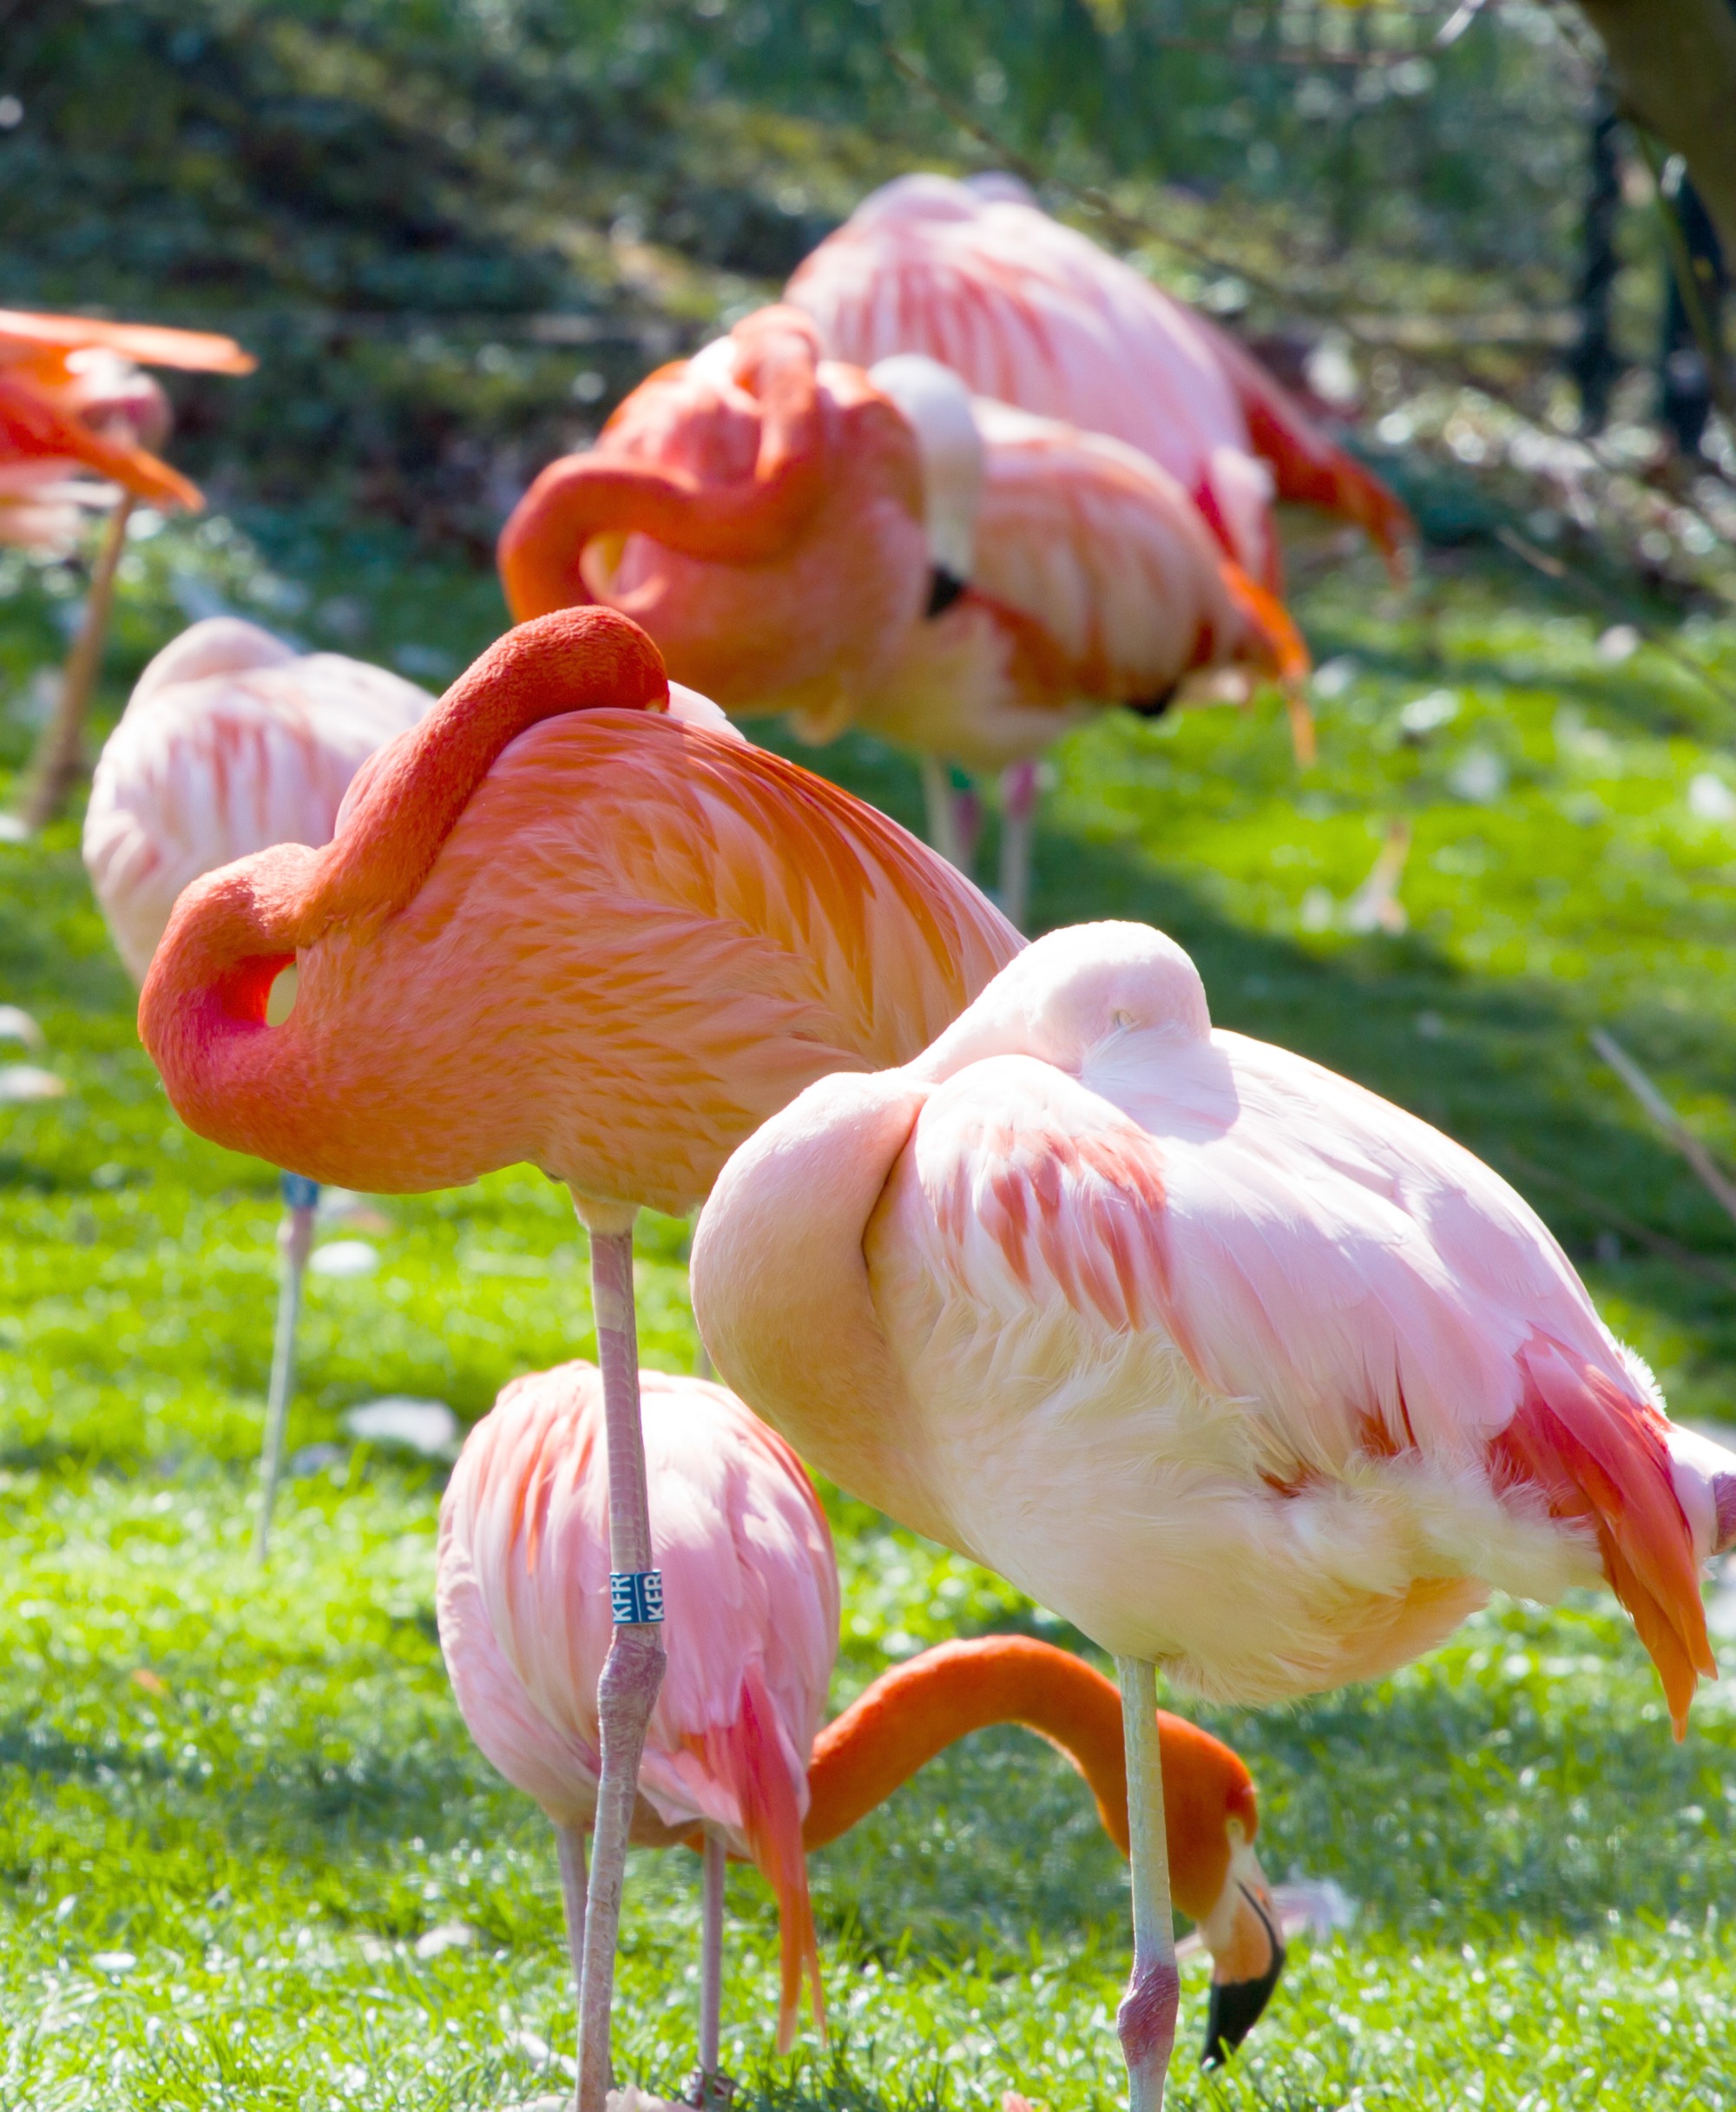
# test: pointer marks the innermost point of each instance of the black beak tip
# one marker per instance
(944, 590)
(1236, 2008)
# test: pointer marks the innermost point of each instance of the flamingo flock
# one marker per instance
(1254, 1377)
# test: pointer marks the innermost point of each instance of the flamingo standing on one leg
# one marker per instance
(731, 1761)
(73, 403)
(570, 917)
(1244, 1371)
(964, 578)
(232, 741)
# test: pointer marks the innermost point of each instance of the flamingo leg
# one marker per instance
(1018, 811)
(1146, 2019)
(60, 752)
(710, 2087)
(295, 1243)
(943, 820)
(633, 1671)
(569, 1845)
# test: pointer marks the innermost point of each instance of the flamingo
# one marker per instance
(72, 400)
(882, 548)
(977, 276)
(232, 742)
(1244, 1371)
(733, 1763)
(570, 916)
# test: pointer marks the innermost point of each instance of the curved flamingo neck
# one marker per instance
(749, 522)
(917, 1709)
(202, 1010)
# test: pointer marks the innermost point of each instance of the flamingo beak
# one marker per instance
(1245, 1969)
(944, 588)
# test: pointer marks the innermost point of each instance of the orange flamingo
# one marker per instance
(1026, 309)
(1240, 1368)
(74, 406)
(883, 549)
(731, 1764)
(569, 917)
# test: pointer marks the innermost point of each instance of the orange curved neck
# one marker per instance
(202, 1010)
(917, 1709)
(584, 496)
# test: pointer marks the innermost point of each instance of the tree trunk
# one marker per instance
(1674, 67)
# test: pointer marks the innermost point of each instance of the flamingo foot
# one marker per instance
(1146, 2022)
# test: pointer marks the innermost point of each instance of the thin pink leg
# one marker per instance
(570, 1846)
(295, 1244)
(1018, 808)
(1146, 2019)
(708, 2087)
(634, 1668)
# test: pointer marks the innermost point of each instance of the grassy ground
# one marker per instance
(248, 1857)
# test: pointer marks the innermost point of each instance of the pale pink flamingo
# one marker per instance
(1030, 311)
(77, 423)
(1244, 1371)
(570, 917)
(735, 1761)
(232, 742)
(883, 549)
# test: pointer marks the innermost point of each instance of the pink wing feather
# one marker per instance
(1106, 553)
(230, 743)
(1033, 313)
(751, 1589)
(1368, 1285)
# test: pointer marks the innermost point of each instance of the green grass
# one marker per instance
(248, 1857)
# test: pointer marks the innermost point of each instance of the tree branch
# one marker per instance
(1675, 68)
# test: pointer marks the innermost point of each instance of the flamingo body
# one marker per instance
(752, 1589)
(1031, 313)
(1244, 1370)
(230, 742)
(559, 923)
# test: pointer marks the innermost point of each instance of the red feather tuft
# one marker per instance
(1598, 1453)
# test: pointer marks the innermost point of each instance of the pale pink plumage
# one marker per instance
(1031, 313)
(1239, 1367)
(751, 1589)
(230, 742)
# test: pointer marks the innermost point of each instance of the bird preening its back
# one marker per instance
(562, 920)
(779, 522)
(1250, 1321)
(735, 1748)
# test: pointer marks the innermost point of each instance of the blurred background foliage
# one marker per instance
(456, 234)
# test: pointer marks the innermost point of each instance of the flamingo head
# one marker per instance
(936, 405)
(1243, 1933)
(757, 509)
